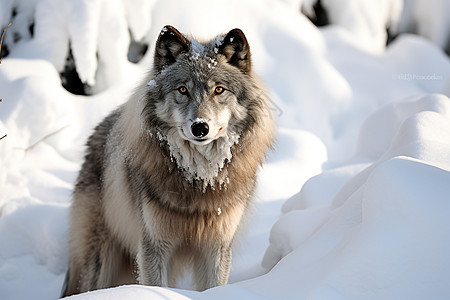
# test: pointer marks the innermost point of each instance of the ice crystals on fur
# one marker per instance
(164, 30)
(152, 83)
(199, 52)
(218, 42)
(197, 48)
(202, 162)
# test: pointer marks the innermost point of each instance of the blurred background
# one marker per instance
(88, 42)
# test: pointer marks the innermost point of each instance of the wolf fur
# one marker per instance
(153, 194)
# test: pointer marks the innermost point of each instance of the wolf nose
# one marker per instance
(200, 129)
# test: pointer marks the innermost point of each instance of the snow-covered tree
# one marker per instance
(93, 36)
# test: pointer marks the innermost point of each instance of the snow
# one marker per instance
(191, 158)
(427, 18)
(97, 31)
(384, 225)
(352, 203)
(365, 20)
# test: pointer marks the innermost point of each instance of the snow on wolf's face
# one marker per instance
(199, 102)
(199, 85)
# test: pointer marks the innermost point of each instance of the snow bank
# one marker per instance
(362, 160)
(381, 234)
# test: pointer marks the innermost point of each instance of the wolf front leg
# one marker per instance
(213, 266)
(153, 261)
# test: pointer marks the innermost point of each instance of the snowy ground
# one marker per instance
(352, 204)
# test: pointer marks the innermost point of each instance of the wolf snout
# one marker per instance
(200, 129)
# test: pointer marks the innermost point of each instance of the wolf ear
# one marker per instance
(169, 45)
(236, 50)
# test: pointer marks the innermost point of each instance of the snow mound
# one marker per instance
(382, 232)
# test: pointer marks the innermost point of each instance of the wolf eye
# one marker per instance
(183, 90)
(219, 90)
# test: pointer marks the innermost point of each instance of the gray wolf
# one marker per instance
(170, 174)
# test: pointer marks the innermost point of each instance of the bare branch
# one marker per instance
(42, 139)
(1, 41)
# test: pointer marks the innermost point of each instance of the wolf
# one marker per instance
(169, 176)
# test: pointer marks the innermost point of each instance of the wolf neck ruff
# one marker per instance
(201, 162)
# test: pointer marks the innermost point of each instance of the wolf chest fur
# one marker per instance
(169, 175)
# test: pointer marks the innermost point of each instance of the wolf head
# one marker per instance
(201, 97)
(200, 83)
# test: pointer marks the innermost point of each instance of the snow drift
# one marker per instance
(383, 227)
(351, 204)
